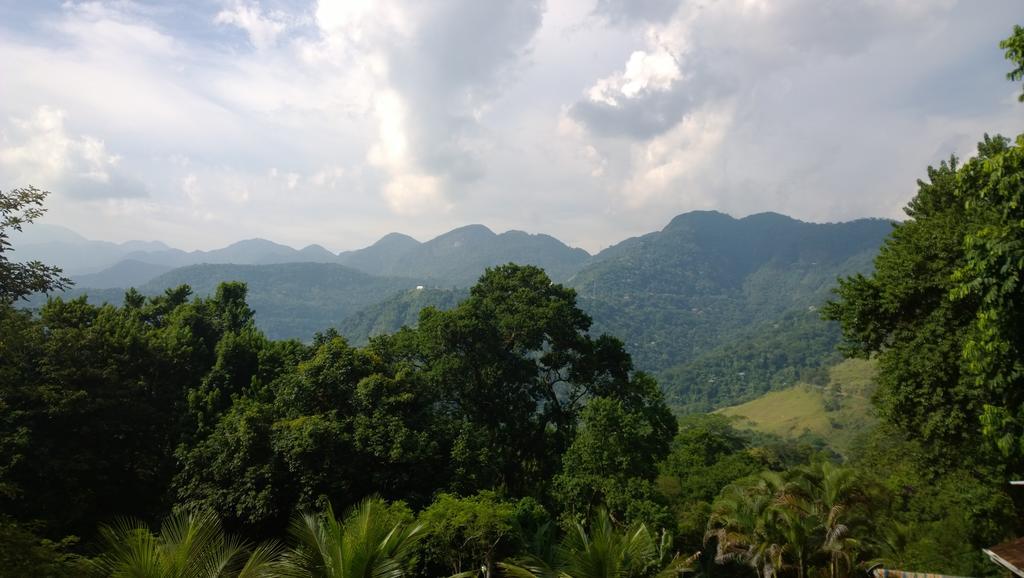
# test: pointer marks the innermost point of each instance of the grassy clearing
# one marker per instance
(837, 412)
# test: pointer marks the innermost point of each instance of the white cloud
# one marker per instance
(673, 163)
(262, 28)
(39, 150)
(654, 71)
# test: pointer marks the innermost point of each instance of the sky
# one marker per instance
(338, 121)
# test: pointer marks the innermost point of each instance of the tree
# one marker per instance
(992, 279)
(813, 516)
(740, 523)
(902, 313)
(512, 367)
(372, 541)
(1014, 47)
(189, 545)
(706, 455)
(475, 532)
(19, 207)
(613, 460)
(944, 309)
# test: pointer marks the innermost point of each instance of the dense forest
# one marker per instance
(504, 435)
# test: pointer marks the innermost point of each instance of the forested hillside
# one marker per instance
(723, 309)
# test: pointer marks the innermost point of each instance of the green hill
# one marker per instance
(689, 300)
(836, 412)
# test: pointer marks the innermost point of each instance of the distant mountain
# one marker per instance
(379, 257)
(454, 259)
(127, 273)
(707, 279)
(458, 257)
(247, 252)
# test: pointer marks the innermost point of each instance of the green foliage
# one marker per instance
(23, 553)
(612, 461)
(706, 455)
(814, 516)
(1014, 47)
(290, 300)
(992, 189)
(475, 532)
(189, 545)
(398, 311)
(939, 519)
(903, 314)
(373, 540)
(767, 356)
(603, 551)
(19, 207)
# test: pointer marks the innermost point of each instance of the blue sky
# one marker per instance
(335, 122)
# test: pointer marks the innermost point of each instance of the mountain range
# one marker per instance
(456, 257)
(719, 309)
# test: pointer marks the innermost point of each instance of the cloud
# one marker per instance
(434, 69)
(338, 121)
(39, 150)
(262, 28)
(745, 105)
(636, 11)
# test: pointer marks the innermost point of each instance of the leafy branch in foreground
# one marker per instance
(19, 207)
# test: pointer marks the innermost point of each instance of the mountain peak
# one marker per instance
(474, 229)
(395, 240)
(692, 218)
(770, 217)
(254, 243)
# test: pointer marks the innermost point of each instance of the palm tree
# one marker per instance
(840, 498)
(189, 545)
(603, 552)
(741, 521)
(367, 543)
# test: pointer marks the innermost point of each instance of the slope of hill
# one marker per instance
(706, 280)
(770, 354)
(397, 311)
(836, 412)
